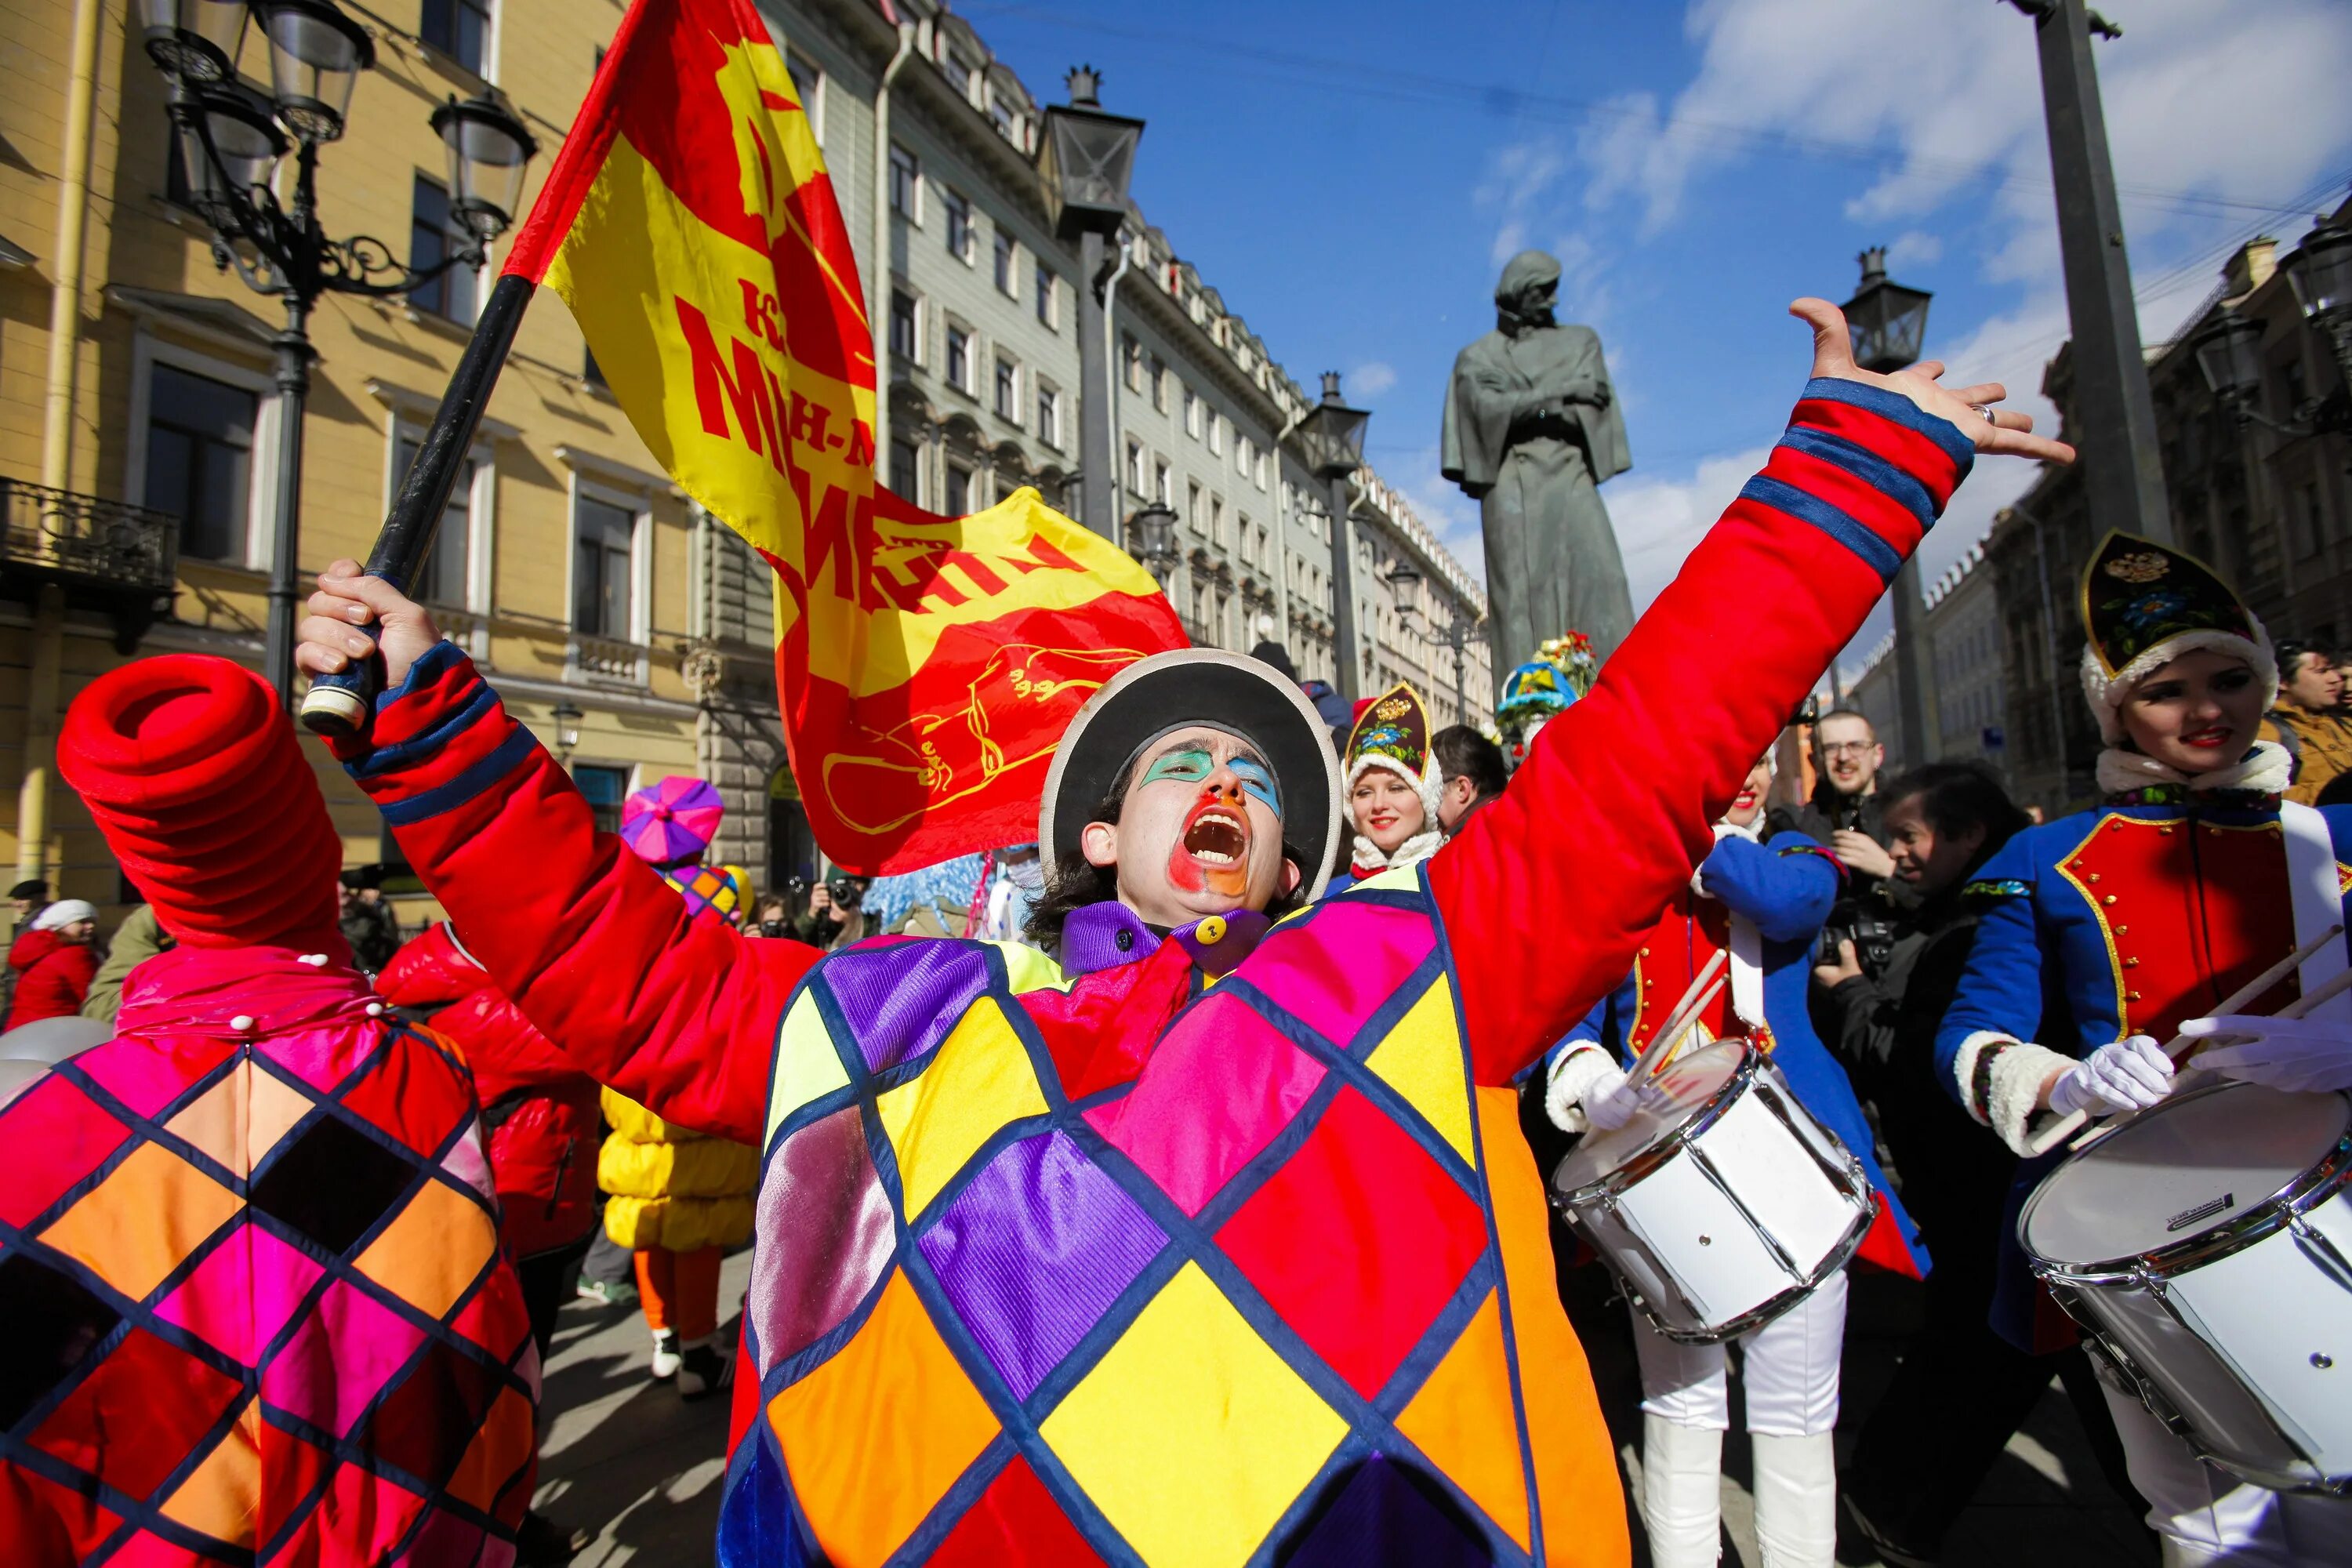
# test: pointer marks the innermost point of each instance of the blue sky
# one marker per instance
(1350, 178)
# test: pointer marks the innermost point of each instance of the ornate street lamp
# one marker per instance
(1889, 323)
(2230, 356)
(1888, 320)
(195, 40)
(1084, 159)
(1332, 438)
(2321, 273)
(1457, 637)
(232, 139)
(1155, 539)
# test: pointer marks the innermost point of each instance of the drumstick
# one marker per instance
(1664, 1048)
(1696, 997)
(2181, 1045)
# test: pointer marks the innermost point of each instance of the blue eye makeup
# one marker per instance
(1192, 763)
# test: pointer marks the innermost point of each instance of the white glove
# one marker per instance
(2128, 1075)
(1609, 1103)
(1580, 1079)
(2297, 1054)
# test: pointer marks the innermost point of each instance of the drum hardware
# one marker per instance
(1739, 1107)
(2202, 1330)
(2181, 1045)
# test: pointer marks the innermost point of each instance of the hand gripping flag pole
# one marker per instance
(338, 706)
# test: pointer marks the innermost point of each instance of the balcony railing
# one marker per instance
(607, 659)
(88, 539)
(118, 557)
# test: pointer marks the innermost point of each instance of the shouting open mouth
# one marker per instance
(1213, 852)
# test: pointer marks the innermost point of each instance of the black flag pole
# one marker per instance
(338, 706)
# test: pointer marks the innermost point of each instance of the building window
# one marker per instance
(433, 235)
(604, 789)
(959, 212)
(1048, 300)
(808, 80)
(1049, 415)
(1191, 414)
(1264, 556)
(445, 577)
(1163, 486)
(906, 185)
(959, 360)
(958, 490)
(602, 535)
(959, 75)
(1000, 111)
(1134, 466)
(1008, 390)
(1217, 522)
(1158, 373)
(1259, 476)
(1006, 282)
(903, 335)
(2310, 531)
(906, 469)
(1131, 354)
(458, 28)
(1244, 455)
(1216, 432)
(1194, 517)
(200, 460)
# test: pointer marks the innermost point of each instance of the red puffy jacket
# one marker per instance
(539, 1110)
(52, 975)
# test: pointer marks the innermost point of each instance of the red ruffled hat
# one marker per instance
(195, 778)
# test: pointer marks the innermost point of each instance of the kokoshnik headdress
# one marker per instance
(2144, 604)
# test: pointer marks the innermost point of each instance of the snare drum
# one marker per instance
(1722, 1206)
(2205, 1247)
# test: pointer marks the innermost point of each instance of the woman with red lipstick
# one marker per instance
(1764, 906)
(1393, 782)
(2189, 880)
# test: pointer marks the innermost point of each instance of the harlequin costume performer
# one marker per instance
(1761, 905)
(2188, 881)
(1104, 1262)
(250, 1281)
(1391, 784)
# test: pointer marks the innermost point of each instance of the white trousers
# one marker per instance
(2208, 1515)
(1789, 1371)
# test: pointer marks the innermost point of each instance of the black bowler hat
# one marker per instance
(1198, 685)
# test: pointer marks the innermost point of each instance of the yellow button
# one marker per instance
(2109, 899)
(1210, 931)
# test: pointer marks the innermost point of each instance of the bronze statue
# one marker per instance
(1531, 429)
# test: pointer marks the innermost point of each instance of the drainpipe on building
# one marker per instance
(878, 317)
(1282, 533)
(47, 657)
(1114, 527)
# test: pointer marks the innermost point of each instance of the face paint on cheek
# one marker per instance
(1184, 873)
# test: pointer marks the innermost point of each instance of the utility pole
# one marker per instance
(2115, 415)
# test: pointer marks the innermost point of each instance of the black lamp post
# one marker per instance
(2230, 356)
(1457, 637)
(1889, 323)
(1084, 159)
(1332, 435)
(232, 137)
(1154, 529)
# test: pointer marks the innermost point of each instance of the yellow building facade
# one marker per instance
(139, 427)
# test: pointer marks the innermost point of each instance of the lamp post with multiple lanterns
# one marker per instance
(232, 139)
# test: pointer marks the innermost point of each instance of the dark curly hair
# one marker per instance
(1072, 881)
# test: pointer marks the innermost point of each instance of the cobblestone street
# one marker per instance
(640, 1469)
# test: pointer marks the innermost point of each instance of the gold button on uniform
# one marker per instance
(1210, 931)
(2107, 899)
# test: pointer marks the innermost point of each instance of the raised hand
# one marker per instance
(1989, 428)
(328, 640)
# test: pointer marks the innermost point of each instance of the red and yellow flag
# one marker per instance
(926, 666)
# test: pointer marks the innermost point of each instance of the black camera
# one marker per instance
(1873, 938)
(775, 928)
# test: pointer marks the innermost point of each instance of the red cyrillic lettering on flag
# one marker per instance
(826, 530)
(747, 389)
(1043, 554)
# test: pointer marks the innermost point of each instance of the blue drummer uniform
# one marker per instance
(1786, 888)
(2154, 908)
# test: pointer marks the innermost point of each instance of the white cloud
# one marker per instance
(1658, 521)
(1913, 247)
(1519, 177)
(1372, 379)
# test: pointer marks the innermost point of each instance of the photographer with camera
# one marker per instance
(836, 912)
(1962, 1390)
(1844, 816)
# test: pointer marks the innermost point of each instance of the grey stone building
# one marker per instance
(930, 142)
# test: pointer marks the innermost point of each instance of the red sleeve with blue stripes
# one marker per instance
(680, 1013)
(1550, 889)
